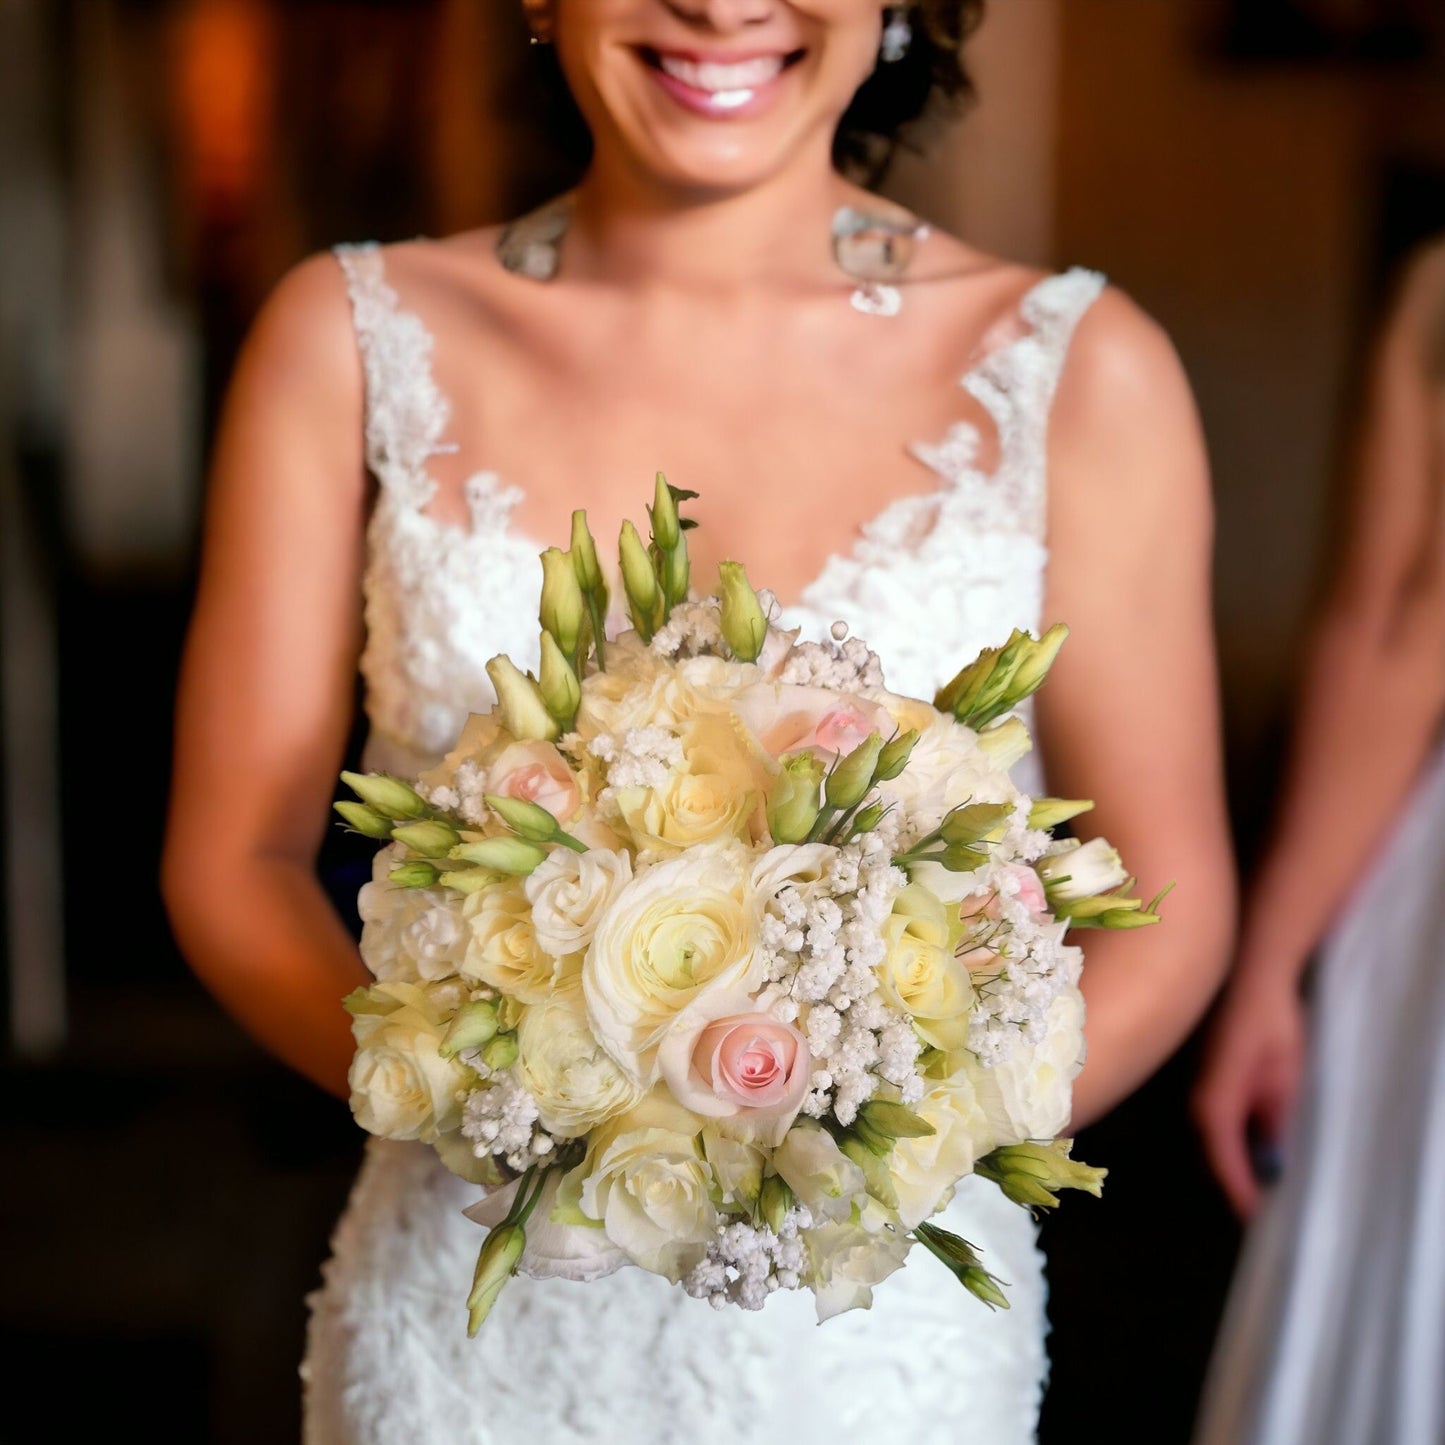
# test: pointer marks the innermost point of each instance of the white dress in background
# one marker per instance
(1335, 1329)
(631, 1357)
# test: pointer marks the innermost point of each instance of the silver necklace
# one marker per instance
(874, 248)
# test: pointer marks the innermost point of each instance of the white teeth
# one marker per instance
(725, 82)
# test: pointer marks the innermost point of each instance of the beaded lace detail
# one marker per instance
(629, 1357)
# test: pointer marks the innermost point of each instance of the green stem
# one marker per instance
(599, 628)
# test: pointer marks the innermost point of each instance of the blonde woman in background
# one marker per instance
(1335, 1332)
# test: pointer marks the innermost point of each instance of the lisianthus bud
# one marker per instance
(561, 692)
(429, 838)
(880, 1123)
(414, 874)
(639, 581)
(963, 858)
(391, 797)
(1048, 813)
(584, 554)
(475, 1024)
(527, 820)
(676, 573)
(500, 1052)
(519, 700)
(364, 820)
(1001, 678)
(961, 1257)
(876, 1177)
(795, 799)
(502, 855)
(867, 819)
(974, 822)
(563, 612)
(496, 1264)
(743, 625)
(847, 785)
(894, 756)
(1029, 1174)
(1035, 662)
(666, 528)
(1083, 871)
(469, 880)
(774, 1202)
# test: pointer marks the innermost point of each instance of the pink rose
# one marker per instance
(1027, 887)
(787, 719)
(537, 773)
(744, 1067)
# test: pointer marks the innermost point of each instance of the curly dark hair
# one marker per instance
(893, 109)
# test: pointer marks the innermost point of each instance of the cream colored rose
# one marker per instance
(717, 792)
(1029, 1094)
(946, 769)
(680, 929)
(409, 933)
(925, 1170)
(503, 950)
(812, 1165)
(401, 1087)
(638, 690)
(575, 1082)
(646, 1181)
(920, 973)
(569, 894)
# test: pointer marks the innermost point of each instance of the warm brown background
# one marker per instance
(1251, 172)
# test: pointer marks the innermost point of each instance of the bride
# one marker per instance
(407, 425)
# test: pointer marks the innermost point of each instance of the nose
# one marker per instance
(722, 16)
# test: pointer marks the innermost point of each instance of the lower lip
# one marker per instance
(741, 104)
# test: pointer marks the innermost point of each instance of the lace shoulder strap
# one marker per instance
(1016, 385)
(406, 415)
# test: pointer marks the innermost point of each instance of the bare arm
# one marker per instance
(1372, 699)
(1130, 716)
(267, 683)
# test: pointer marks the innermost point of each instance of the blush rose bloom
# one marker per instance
(537, 773)
(742, 1068)
(786, 718)
(681, 929)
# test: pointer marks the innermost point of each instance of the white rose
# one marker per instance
(575, 1082)
(408, 933)
(646, 1181)
(401, 1087)
(680, 929)
(502, 948)
(824, 1178)
(560, 1243)
(570, 892)
(925, 1170)
(846, 1260)
(1029, 1095)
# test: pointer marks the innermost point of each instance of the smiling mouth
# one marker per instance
(717, 86)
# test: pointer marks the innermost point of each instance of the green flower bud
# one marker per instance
(847, 785)
(639, 581)
(391, 797)
(961, 1257)
(676, 573)
(429, 838)
(561, 692)
(975, 822)
(1036, 661)
(1030, 1174)
(1048, 813)
(961, 858)
(867, 819)
(894, 1121)
(563, 613)
(496, 1264)
(527, 820)
(876, 1177)
(500, 1052)
(584, 554)
(795, 799)
(519, 700)
(363, 1001)
(514, 856)
(364, 820)
(666, 527)
(469, 880)
(1000, 678)
(774, 1202)
(894, 757)
(414, 874)
(474, 1024)
(743, 625)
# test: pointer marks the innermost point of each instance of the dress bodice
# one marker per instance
(442, 599)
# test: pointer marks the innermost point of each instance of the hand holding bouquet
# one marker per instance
(702, 952)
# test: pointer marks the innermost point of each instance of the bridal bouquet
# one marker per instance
(705, 953)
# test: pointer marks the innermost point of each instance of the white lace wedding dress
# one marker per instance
(631, 1357)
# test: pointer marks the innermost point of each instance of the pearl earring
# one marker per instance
(897, 36)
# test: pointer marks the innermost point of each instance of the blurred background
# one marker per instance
(1252, 171)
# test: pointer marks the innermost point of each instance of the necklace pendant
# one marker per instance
(873, 298)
